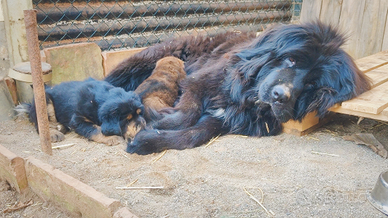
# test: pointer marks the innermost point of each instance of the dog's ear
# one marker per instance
(87, 104)
(339, 80)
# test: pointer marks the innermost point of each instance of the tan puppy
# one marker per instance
(160, 90)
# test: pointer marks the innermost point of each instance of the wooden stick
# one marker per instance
(139, 188)
(63, 146)
(212, 140)
(160, 156)
(266, 126)
(269, 212)
(320, 153)
(19, 206)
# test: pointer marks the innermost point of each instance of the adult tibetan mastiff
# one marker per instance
(93, 109)
(242, 84)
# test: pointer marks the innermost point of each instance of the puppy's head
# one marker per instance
(172, 66)
(121, 113)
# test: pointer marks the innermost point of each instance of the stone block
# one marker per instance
(75, 62)
(67, 192)
(12, 169)
(112, 58)
(124, 213)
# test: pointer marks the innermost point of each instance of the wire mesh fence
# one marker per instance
(115, 24)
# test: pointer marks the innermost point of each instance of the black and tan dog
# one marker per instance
(160, 90)
(93, 109)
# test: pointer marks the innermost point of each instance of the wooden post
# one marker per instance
(37, 79)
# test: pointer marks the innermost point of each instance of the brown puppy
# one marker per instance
(160, 89)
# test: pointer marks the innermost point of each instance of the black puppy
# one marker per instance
(93, 109)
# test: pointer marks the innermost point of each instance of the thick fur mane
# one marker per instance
(193, 50)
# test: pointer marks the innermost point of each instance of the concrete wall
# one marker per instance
(4, 58)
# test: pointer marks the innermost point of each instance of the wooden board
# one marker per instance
(372, 62)
(373, 101)
(310, 10)
(349, 23)
(308, 124)
(383, 116)
(364, 22)
(378, 75)
(332, 7)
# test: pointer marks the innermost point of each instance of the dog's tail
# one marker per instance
(29, 110)
(23, 109)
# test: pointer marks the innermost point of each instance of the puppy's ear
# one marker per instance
(87, 104)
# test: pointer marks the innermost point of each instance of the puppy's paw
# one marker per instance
(61, 128)
(56, 136)
(108, 140)
(113, 140)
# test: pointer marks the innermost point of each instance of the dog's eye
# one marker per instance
(310, 85)
(291, 61)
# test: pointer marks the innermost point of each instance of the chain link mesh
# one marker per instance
(116, 24)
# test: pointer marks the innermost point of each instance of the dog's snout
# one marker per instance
(109, 129)
(109, 132)
(280, 93)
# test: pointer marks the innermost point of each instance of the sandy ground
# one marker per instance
(13, 205)
(318, 175)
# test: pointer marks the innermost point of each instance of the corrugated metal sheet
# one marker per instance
(118, 24)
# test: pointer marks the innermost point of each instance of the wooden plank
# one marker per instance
(372, 62)
(330, 11)
(372, 26)
(373, 101)
(350, 23)
(383, 116)
(310, 10)
(384, 113)
(385, 37)
(309, 123)
(378, 75)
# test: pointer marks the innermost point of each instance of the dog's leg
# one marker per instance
(150, 141)
(86, 128)
(57, 130)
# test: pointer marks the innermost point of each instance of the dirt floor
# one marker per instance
(13, 205)
(318, 175)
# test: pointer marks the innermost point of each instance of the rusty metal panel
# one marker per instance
(122, 24)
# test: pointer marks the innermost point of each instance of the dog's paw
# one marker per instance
(145, 142)
(56, 136)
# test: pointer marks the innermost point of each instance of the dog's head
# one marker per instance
(121, 113)
(296, 69)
